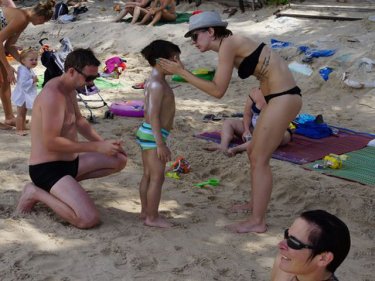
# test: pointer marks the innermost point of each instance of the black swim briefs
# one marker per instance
(45, 175)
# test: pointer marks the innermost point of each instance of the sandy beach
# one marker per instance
(39, 246)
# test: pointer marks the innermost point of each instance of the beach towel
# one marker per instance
(359, 167)
(101, 83)
(181, 18)
(304, 150)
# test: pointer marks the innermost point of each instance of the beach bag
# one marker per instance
(314, 130)
(60, 10)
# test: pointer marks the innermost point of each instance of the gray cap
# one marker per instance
(205, 20)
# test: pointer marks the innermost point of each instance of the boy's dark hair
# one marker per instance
(79, 58)
(329, 234)
(159, 49)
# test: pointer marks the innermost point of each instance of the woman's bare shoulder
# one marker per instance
(15, 16)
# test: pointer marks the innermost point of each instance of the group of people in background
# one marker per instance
(310, 250)
(149, 12)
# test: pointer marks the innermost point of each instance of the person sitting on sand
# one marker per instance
(313, 248)
(58, 159)
(152, 134)
(243, 129)
(130, 6)
(13, 21)
(159, 10)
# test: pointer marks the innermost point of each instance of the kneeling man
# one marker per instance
(59, 160)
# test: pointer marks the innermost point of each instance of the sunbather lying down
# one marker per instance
(243, 128)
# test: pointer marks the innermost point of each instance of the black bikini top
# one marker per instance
(248, 64)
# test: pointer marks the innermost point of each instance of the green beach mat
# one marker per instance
(101, 83)
(359, 167)
(181, 18)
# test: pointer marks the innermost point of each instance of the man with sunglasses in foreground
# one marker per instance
(313, 248)
(59, 160)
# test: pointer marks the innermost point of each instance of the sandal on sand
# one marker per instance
(208, 117)
(213, 117)
(139, 86)
(238, 114)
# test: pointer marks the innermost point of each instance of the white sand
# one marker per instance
(40, 247)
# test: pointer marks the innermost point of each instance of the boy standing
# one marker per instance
(159, 114)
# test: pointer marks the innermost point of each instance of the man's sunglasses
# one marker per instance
(194, 35)
(294, 243)
(88, 78)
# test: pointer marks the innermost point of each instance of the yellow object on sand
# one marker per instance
(334, 161)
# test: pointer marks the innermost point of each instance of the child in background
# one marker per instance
(159, 114)
(25, 91)
(244, 128)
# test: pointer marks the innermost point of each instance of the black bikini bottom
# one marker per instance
(294, 91)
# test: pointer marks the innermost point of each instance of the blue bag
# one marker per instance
(313, 130)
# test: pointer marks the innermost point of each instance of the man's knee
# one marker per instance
(88, 221)
(121, 162)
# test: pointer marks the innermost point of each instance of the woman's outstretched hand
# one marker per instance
(174, 67)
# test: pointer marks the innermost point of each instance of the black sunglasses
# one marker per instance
(294, 243)
(88, 78)
(194, 35)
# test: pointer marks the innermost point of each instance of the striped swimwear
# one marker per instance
(145, 137)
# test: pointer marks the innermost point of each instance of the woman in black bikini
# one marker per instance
(208, 32)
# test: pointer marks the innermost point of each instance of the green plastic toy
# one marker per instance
(200, 72)
(211, 182)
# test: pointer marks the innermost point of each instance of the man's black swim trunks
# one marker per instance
(45, 175)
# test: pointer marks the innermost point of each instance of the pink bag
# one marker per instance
(114, 64)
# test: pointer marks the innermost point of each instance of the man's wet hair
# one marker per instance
(159, 49)
(79, 58)
(329, 234)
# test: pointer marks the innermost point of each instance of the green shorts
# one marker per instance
(145, 137)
